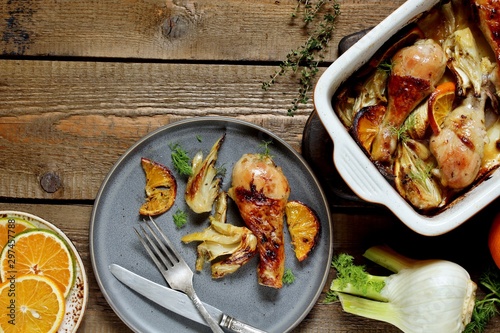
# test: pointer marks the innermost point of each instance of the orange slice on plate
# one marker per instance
(39, 252)
(303, 225)
(161, 188)
(440, 104)
(10, 227)
(38, 305)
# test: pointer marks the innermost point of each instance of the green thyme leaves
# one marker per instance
(305, 60)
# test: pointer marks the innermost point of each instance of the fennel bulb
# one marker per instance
(422, 296)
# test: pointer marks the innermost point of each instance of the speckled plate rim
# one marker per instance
(103, 275)
(76, 301)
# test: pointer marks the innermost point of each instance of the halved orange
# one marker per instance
(303, 225)
(440, 104)
(10, 227)
(161, 188)
(38, 305)
(39, 252)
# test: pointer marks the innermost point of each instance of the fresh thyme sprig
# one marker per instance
(265, 148)
(309, 10)
(308, 56)
(386, 66)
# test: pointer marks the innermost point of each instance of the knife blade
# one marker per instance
(176, 301)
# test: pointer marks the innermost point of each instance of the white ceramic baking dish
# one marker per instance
(356, 168)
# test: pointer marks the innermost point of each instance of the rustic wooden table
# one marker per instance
(81, 81)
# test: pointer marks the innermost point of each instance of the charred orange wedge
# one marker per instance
(366, 125)
(303, 225)
(161, 188)
(440, 104)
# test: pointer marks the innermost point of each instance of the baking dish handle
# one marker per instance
(360, 174)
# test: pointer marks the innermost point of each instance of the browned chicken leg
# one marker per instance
(459, 146)
(416, 69)
(261, 190)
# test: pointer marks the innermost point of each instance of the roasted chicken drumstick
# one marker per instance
(261, 190)
(459, 146)
(415, 71)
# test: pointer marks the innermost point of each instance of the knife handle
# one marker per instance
(237, 326)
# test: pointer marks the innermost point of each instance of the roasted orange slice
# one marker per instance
(440, 104)
(303, 225)
(161, 188)
(366, 125)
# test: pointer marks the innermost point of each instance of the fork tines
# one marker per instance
(159, 247)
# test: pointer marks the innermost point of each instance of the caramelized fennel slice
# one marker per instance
(235, 245)
(203, 186)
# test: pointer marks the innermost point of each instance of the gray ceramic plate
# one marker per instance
(115, 213)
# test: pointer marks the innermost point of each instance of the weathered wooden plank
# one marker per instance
(172, 29)
(72, 120)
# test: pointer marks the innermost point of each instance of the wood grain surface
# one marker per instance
(205, 30)
(82, 81)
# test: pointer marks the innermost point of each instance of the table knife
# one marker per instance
(176, 301)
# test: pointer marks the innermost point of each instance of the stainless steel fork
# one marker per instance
(172, 266)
